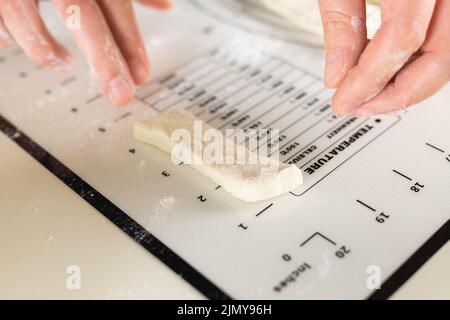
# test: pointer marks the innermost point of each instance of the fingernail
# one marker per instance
(60, 63)
(340, 113)
(340, 108)
(163, 4)
(363, 112)
(120, 91)
(335, 67)
(139, 70)
(5, 37)
(7, 41)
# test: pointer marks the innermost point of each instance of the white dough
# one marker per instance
(249, 182)
(305, 14)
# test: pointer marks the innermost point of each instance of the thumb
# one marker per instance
(344, 23)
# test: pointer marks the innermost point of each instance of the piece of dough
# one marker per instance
(304, 14)
(249, 182)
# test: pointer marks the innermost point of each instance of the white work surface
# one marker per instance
(229, 75)
(46, 227)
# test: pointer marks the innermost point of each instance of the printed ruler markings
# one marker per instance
(68, 81)
(94, 98)
(319, 235)
(366, 205)
(315, 140)
(260, 103)
(264, 210)
(253, 81)
(402, 175)
(434, 147)
(176, 72)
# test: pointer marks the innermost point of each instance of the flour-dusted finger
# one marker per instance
(6, 39)
(420, 80)
(22, 20)
(122, 22)
(344, 23)
(423, 77)
(100, 49)
(403, 31)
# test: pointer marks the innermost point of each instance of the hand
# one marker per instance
(407, 61)
(108, 36)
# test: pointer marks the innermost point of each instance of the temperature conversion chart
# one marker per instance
(376, 196)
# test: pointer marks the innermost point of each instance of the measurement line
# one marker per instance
(94, 98)
(181, 75)
(295, 107)
(204, 88)
(320, 235)
(268, 98)
(246, 69)
(326, 131)
(295, 94)
(304, 131)
(293, 65)
(68, 81)
(248, 84)
(188, 86)
(123, 116)
(254, 81)
(222, 100)
(366, 205)
(221, 113)
(179, 70)
(401, 174)
(265, 209)
(434, 147)
(320, 107)
(314, 96)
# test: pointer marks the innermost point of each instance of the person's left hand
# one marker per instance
(108, 36)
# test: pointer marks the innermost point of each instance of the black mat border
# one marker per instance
(134, 230)
(413, 264)
(170, 258)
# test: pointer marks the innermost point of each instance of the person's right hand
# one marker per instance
(406, 62)
(108, 36)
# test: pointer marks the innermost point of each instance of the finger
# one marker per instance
(22, 19)
(158, 4)
(420, 80)
(121, 20)
(403, 31)
(100, 49)
(423, 77)
(344, 23)
(439, 31)
(6, 39)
